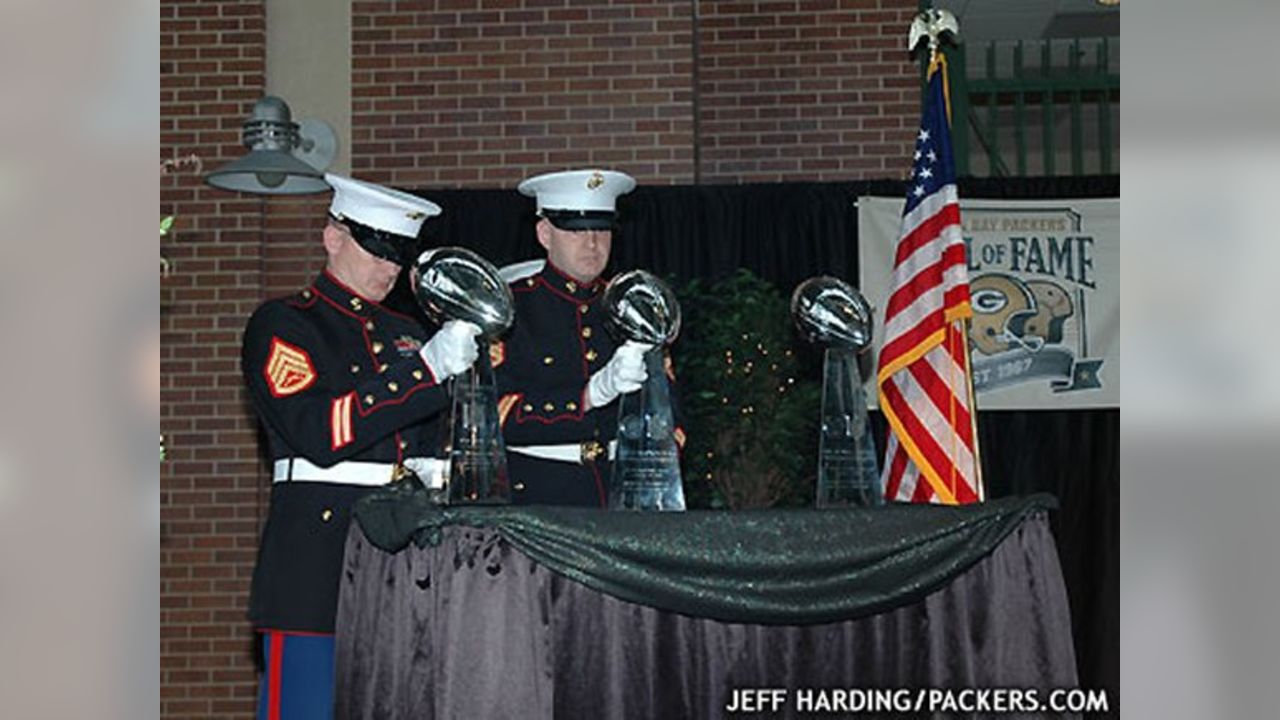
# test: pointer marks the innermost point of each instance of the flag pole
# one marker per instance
(980, 485)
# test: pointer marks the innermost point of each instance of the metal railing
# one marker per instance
(1039, 107)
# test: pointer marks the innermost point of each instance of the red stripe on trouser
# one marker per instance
(276, 639)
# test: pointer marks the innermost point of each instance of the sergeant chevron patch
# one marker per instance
(288, 369)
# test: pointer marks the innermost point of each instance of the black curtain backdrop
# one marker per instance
(788, 232)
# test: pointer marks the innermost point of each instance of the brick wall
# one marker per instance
(805, 90)
(292, 254)
(459, 93)
(212, 492)
(467, 93)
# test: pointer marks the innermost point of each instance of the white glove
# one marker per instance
(451, 350)
(623, 374)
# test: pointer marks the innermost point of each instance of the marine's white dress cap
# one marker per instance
(578, 199)
(383, 221)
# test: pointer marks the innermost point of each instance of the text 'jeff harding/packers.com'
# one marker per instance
(917, 700)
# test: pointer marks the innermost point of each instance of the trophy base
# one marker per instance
(477, 455)
(848, 493)
(645, 496)
(646, 471)
(478, 480)
(848, 475)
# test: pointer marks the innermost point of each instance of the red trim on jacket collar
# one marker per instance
(344, 302)
(559, 279)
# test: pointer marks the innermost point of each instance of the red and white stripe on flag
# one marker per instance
(923, 373)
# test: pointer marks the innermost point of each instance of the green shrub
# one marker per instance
(750, 403)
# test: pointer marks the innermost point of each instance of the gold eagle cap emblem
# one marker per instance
(595, 181)
(415, 214)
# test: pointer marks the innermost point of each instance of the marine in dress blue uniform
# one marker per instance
(559, 370)
(349, 394)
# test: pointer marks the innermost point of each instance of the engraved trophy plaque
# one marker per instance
(832, 313)
(646, 470)
(454, 283)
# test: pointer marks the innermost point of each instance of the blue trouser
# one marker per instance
(297, 683)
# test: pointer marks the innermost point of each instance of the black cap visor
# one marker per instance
(574, 220)
(381, 244)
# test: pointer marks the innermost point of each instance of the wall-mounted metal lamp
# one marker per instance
(285, 157)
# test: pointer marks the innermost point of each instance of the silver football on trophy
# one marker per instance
(454, 283)
(831, 312)
(643, 308)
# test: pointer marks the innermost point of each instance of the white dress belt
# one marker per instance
(357, 472)
(567, 452)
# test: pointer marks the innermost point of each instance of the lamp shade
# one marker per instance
(272, 165)
(272, 172)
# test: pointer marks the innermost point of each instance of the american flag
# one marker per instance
(923, 373)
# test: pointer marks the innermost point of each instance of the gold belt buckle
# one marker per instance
(400, 472)
(590, 450)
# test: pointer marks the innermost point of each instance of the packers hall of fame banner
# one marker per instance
(1044, 283)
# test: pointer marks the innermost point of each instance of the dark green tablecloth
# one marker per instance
(788, 567)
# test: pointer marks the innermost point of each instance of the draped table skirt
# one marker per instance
(542, 613)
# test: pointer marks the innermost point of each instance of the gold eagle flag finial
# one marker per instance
(932, 23)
